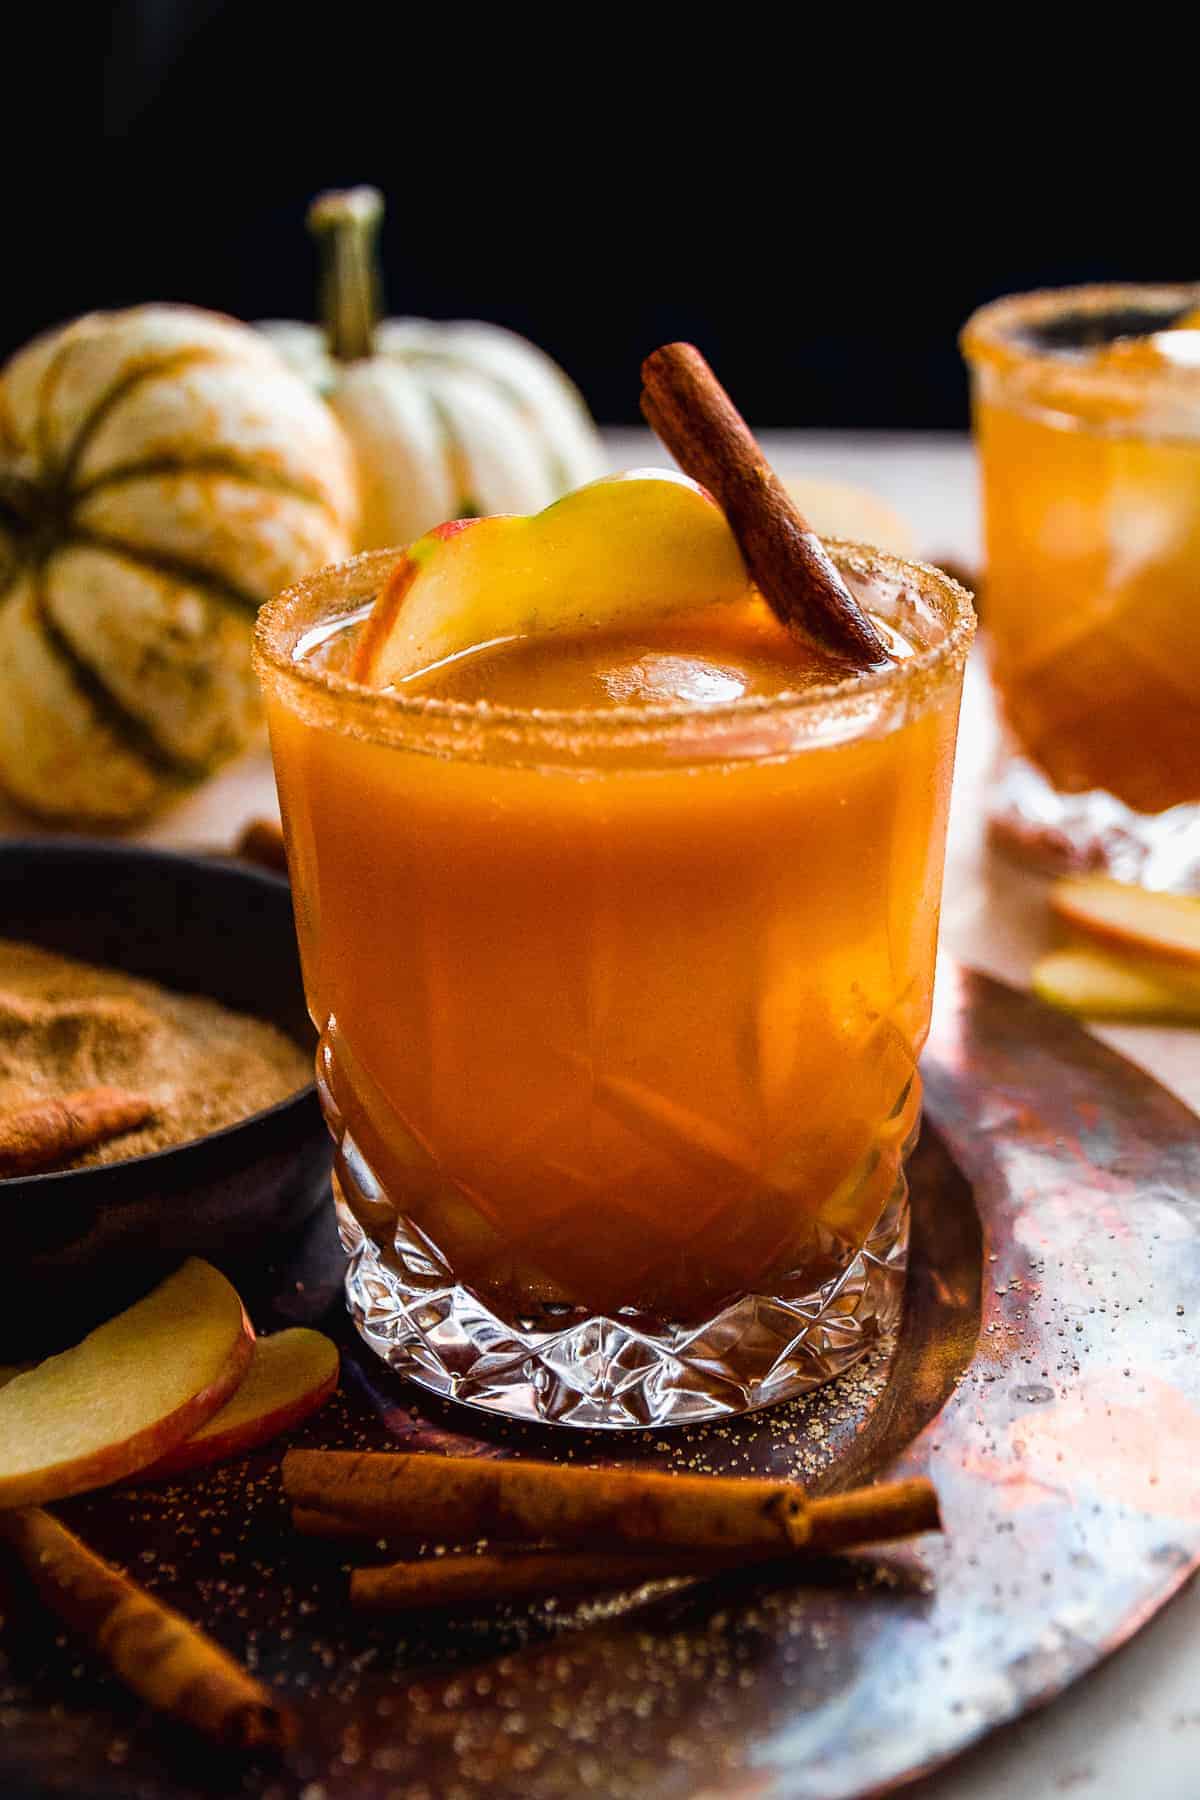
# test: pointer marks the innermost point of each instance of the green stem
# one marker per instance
(346, 225)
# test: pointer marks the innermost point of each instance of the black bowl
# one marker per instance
(78, 1245)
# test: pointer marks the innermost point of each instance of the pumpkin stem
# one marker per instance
(345, 223)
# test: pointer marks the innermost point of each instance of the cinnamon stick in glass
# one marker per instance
(456, 1500)
(685, 404)
(168, 1662)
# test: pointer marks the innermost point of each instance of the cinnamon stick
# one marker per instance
(262, 842)
(456, 1500)
(46, 1133)
(450, 1583)
(869, 1515)
(168, 1662)
(872, 1515)
(687, 407)
(323, 1522)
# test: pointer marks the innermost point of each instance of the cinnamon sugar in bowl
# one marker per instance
(193, 996)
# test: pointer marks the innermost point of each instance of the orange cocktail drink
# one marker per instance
(1087, 414)
(621, 946)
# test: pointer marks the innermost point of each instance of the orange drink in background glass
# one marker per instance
(621, 948)
(1087, 421)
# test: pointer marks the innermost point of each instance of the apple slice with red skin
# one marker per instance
(627, 548)
(291, 1375)
(129, 1392)
(1164, 926)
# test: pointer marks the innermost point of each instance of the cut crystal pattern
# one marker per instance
(626, 1371)
(1069, 833)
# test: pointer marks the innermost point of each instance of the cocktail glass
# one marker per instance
(619, 1012)
(1087, 420)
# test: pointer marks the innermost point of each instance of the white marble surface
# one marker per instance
(1133, 1728)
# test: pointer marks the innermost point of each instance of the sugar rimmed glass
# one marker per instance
(1090, 468)
(620, 1013)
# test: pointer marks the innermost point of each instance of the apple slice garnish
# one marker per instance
(1096, 984)
(1158, 925)
(128, 1393)
(637, 546)
(291, 1375)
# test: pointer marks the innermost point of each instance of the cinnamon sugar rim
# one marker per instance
(337, 701)
(992, 334)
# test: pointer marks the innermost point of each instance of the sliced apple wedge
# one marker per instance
(1096, 984)
(1159, 925)
(292, 1374)
(132, 1390)
(641, 545)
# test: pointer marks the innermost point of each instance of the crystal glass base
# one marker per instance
(626, 1370)
(1068, 834)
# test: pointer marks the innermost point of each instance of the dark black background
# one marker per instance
(818, 200)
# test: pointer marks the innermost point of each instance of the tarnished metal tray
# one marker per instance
(1046, 1376)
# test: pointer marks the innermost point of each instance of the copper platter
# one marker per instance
(1046, 1377)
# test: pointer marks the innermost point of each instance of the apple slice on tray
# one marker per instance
(292, 1374)
(128, 1393)
(1139, 958)
(643, 545)
(1131, 918)
(1096, 984)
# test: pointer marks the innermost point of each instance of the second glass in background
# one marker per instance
(1087, 418)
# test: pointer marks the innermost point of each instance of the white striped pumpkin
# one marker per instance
(162, 472)
(446, 420)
